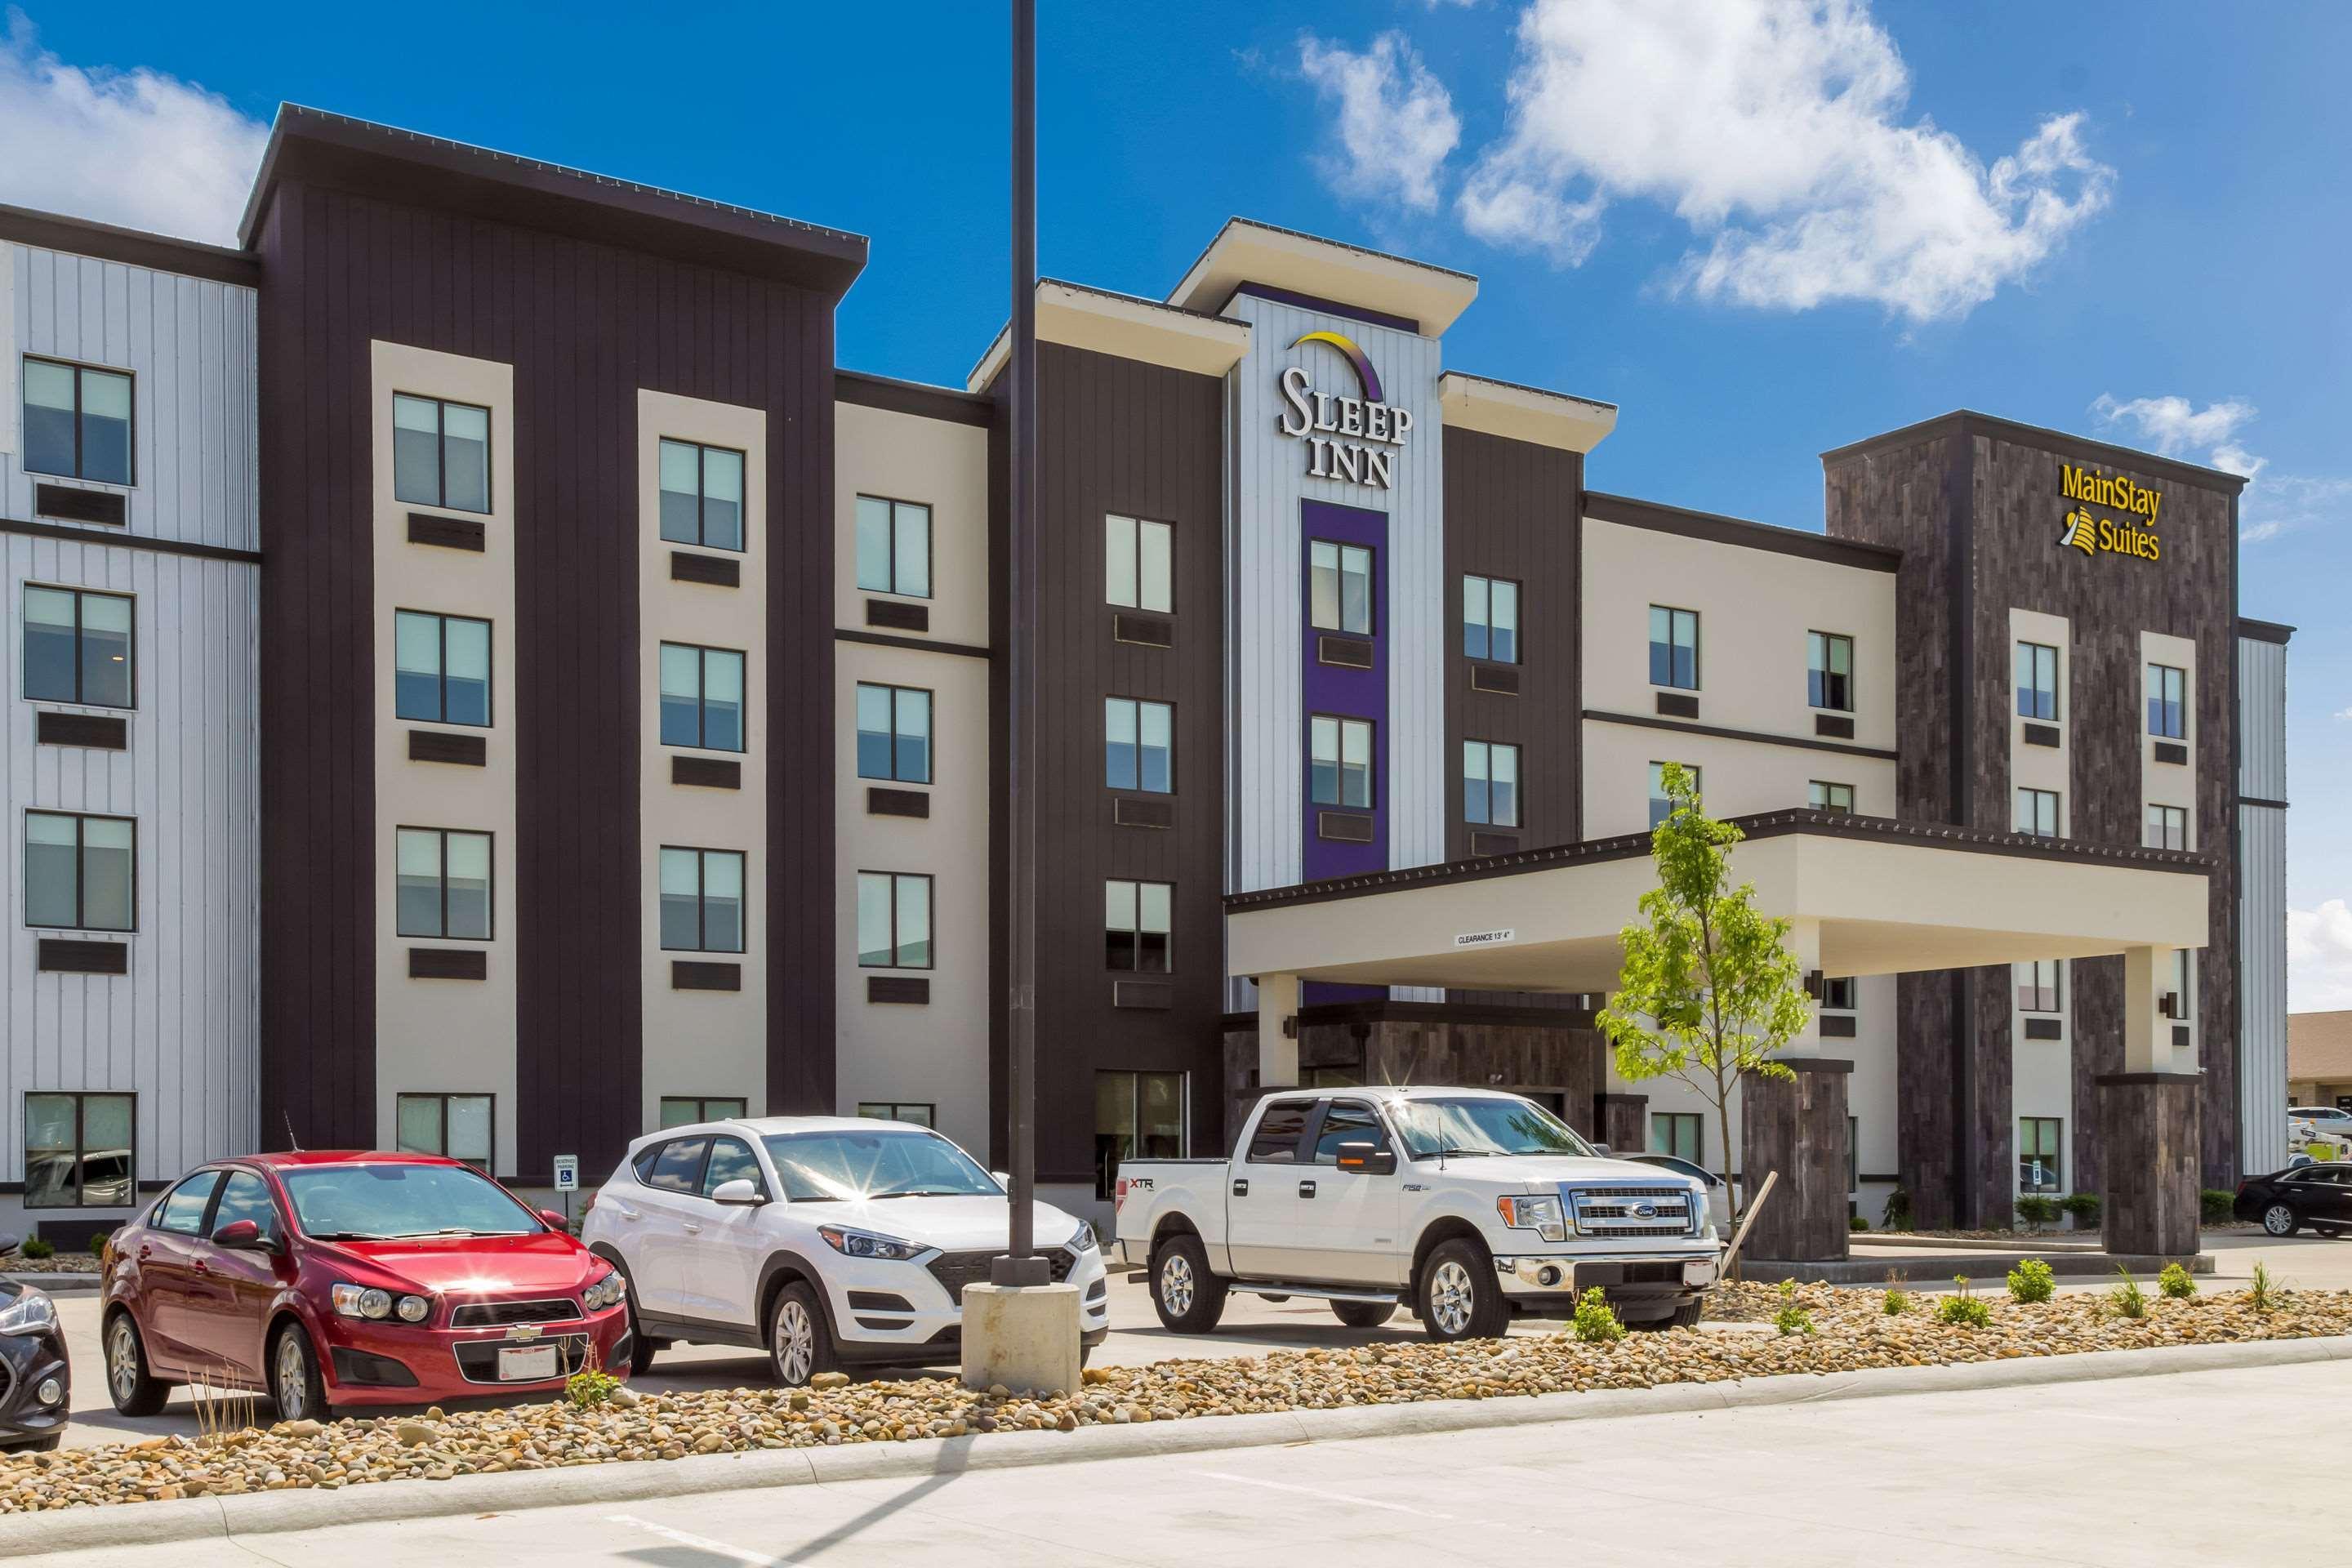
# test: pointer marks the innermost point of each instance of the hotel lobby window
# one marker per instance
(1138, 745)
(1490, 784)
(440, 453)
(77, 647)
(80, 872)
(2167, 827)
(2040, 984)
(686, 1109)
(443, 884)
(1339, 587)
(1138, 921)
(701, 697)
(2184, 984)
(1822, 795)
(894, 920)
(894, 733)
(2038, 1167)
(2037, 812)
(1829, 674)
(915, 1113)
(1676, 1132)
(76, 421)
(1674, 647)
(1662, 806)
(1138, 1116)
(1140, 565)
(1837, 994)
(77, 1151)
(1339, 761)
(701, 495)
(1490, 619)
(894, 547)
(456, 1126)
(2168, 703)
(701, 900)
(441, 669)
(2037, 681)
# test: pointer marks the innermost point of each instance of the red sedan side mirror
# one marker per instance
(242, 1235)
(555, 1220)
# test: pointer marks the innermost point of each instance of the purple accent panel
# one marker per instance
(1351, 694)
(1328, 306)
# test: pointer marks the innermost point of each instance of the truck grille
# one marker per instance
(1619, 1211)
(954, 1271)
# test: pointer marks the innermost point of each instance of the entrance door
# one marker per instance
(1262, 1196)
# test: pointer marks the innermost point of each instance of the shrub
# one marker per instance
(2083, 1207)
(35, 1248)
(1894, 1303)
(1792, 1319)
(2175, 1282)
(1855, 1222)
(1596, 1321)
(2128, 1299)
(2036, 1211)
(2032, 1280)
(97, 1244)
(2216, 1206)
(2262, 1294)
(1960, 1310)
(1897, 1215)
(592, 1385)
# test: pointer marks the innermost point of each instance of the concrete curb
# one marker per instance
(2053, 1241)
(207, 1519)
(74, 1284)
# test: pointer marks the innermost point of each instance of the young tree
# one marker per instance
(1708, 993)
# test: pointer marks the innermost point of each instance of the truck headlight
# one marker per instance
(1541, 1212)
(866, 1243)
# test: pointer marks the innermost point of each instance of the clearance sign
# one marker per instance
(2093, 533)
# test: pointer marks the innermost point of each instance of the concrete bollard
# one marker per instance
(1024, 1337)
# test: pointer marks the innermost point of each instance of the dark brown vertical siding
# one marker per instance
(584, 325)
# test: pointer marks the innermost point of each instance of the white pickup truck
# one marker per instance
(1467, 1205)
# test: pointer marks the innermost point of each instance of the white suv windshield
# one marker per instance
(1482, 1126)
(829, 1167)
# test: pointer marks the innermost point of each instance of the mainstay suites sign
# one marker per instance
(2091, 532)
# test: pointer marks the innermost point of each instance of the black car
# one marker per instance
(2318, 1195)
(35, 1380)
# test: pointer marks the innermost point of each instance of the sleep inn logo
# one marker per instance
(2093, 534)
(1352, 439)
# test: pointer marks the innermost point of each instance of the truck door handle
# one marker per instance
(1240, 1190)
(1305, 1189)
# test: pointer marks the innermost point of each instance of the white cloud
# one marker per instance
(136, 148)
(2319, 958)
(2270, 504)
(1774, 128)
(1397, 124)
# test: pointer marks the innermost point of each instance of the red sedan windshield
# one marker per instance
(381, 1202)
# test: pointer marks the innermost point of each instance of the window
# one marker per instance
(1490, 619)
(2039, 985)
(894, 733)
(1662, 804)
(1829, 672)
(1140, 565)
(2168, 703)
(80, 872)
(1138, 745)
(1674, 647)
(918, 1113)
(2038, 1162)
(77, 1151)
(2037, 681)
(1347, 1121)
(181, 1212)
(440, 453)
(894, 920)
(701, 900)
(686, 1109)
(701, 697)
(1490, 784)
(2184, 985)
(456, 1125)
(677, 1166)
(731, 1160)
(1837, 994)
(445, 884)
(77, 647)
(77, 422)
(1852, 1154)
(1676, 1132)
(1138, 1116)
(1339, 587)
(245, 1196)
(701, 495)
(2167, 827)
(1822, 795)
(1138, 918)
(2037, 812)
(1280, 1130)
(441, 669)
(894, 547)
(1339, 761)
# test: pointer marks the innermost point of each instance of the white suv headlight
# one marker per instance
(29, 1313)
(1085, 1241)
(866, 1243)
(1539, 1211)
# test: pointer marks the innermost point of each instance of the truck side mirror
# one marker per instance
(1367, 1159)
(1602, 1149)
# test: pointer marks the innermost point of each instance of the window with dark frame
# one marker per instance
(1490, 784)
(894, 919)
(1138, 1116)
(2037, 681)
(702, 900)
(441, 668)
(702, 697)
(894, 547)
(2184, 984)
(1679, 1133)
(2037, 812)
(81, 872)
(78, 648)
(2040, 986)
(684, 1110)
(78, 422)
(2040, 1164)
(1674, 647)
(456, 1126)
(1140, 565)
(80, 1149)
(1339, 761)
(2167, 827)
(445, 884)
(1490, 619)
(1821, 795)
(1139, 923)
(1339, 587)
(702, 494)
(914, 1112)
(894, 733)
(1138, 745)
(2168, 703)
(1829, 671)
(1837, 994)
(1662, 804)
(440, 453)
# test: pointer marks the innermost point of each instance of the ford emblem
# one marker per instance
(1645, 1211)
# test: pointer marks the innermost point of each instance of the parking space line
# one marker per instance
(1327, 1496)
(694, 1542)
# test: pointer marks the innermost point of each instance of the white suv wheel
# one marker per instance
(795, 1342)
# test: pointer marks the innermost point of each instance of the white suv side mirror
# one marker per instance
(737, 1193)
(1004, 1179)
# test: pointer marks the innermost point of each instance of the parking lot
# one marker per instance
(1251, 1327)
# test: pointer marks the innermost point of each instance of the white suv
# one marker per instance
(821, 1239)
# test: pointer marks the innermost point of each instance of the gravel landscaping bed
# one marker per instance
(1848, 1331)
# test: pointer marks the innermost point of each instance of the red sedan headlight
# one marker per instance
(374, 1305)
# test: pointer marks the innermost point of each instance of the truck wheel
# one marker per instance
(1460, 1298)
(1685, 1316)
(1364, 1314)
(1188, 1297)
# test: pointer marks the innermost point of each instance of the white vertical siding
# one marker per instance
(2262, 935)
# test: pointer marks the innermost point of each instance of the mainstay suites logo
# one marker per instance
(2093, 533)
(1352, 439)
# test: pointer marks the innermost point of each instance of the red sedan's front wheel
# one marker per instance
(134, 1390)
(294, 1382)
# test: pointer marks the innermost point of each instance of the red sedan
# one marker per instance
(327, 1279)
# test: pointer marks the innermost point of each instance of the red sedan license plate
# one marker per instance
(534, 1365)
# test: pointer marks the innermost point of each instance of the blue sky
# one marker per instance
(1763, 229)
